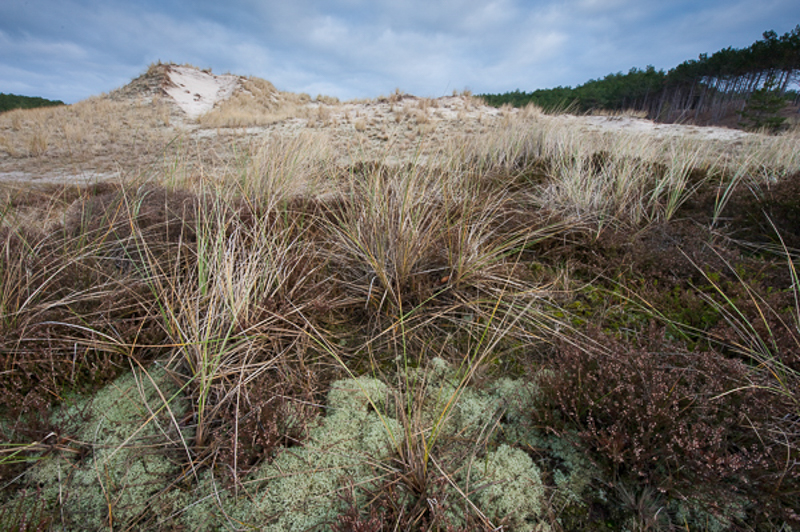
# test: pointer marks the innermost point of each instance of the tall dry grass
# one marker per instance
(97, 127)
(230, 273)
(620, 176)
(259, 103)
(220, 314)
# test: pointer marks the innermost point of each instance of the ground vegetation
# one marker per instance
(519, 322)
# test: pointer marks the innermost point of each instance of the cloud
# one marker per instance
(70, 49)
(32, 48)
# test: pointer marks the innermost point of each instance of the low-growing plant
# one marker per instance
(765, 335)
(688, 424)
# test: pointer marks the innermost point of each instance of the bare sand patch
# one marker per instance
(197, 91)
(57, 178)
(642, 125)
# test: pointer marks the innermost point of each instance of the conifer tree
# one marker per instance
(764, 107)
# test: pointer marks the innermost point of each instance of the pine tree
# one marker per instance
(764, 107)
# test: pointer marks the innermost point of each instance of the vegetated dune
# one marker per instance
(133, 127)
(223, 306)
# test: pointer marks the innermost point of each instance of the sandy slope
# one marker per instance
(641, 125)
(399, 123)
(197, 91)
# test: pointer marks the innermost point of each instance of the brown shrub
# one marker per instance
(687, 424)
(115, 212)
(388, 506)
(72, 311)
(755, 212)
(273, 412)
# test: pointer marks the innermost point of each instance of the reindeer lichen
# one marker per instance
(125, 432)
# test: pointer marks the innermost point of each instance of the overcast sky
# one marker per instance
(72, 49)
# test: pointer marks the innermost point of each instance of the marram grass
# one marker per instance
(283, 334)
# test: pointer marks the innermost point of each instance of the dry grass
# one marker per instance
(86, 129)
(258, 104)
(441, 280)
(630, 113)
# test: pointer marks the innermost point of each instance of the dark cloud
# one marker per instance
(71, 49)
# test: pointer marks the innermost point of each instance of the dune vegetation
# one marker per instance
(529, 326)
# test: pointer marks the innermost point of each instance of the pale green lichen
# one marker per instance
(577, 472)
(124, 427)
(206, 507)
(448, 406)
(509, 489)
(477, 434)
(692, 514)
(353, 446)
(302, 487)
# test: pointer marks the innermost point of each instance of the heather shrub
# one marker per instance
(755, 210)
(688, 424)
(44, 286)
(274, 413)
(128, 228)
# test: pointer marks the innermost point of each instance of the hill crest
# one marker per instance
(193, 90)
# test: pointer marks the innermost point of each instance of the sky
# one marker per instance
(72, 49)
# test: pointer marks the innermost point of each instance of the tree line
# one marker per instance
(706, 89)
(15, 101)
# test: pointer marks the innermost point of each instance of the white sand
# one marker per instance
(57, 177)
(648, 127)
(196, 91)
